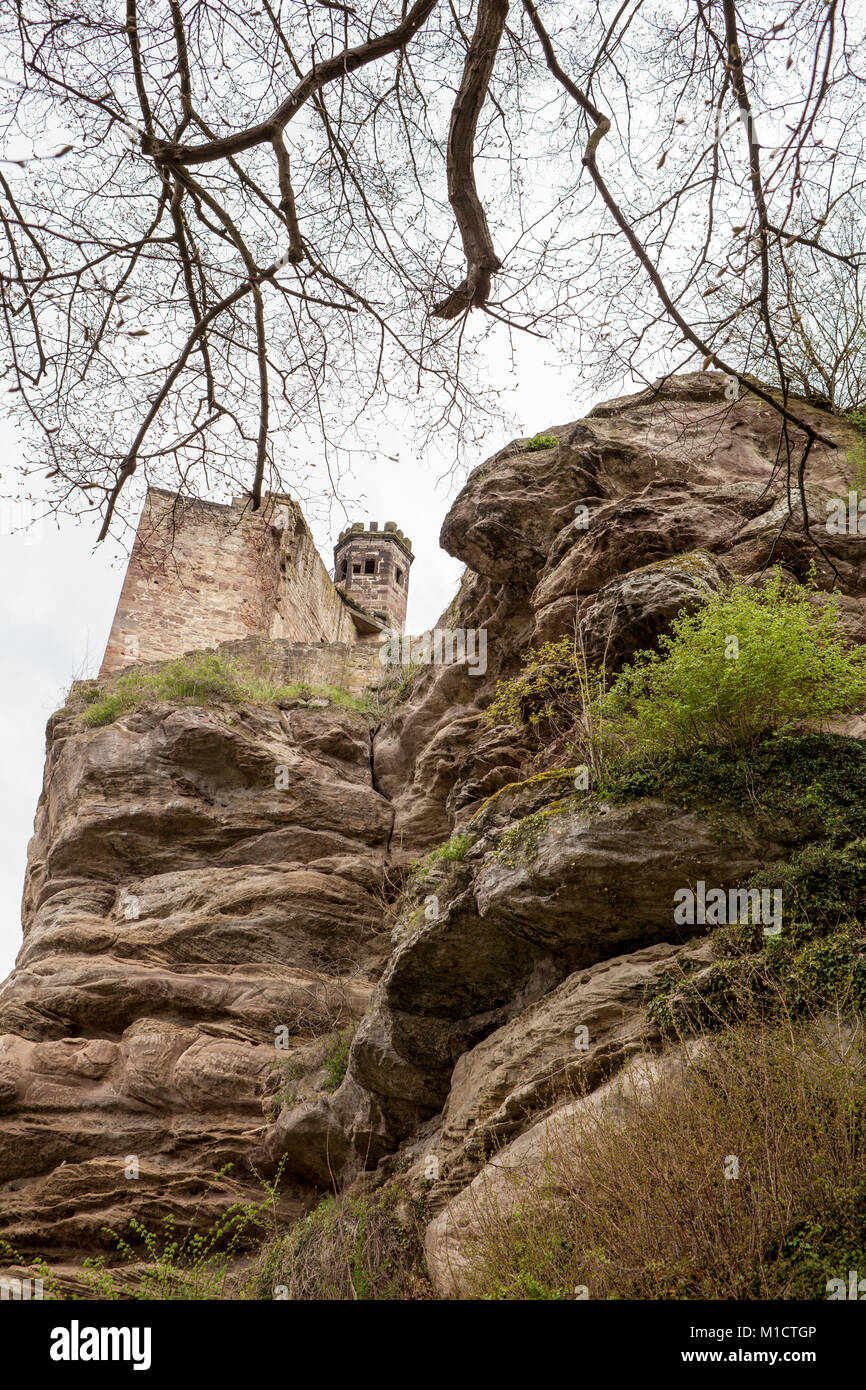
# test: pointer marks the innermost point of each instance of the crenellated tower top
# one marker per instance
(372, 566)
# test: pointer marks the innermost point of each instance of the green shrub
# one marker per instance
(559, 696)
(749, 661)
(172, 1266)
(201, 1260)
(545, 695)
(792, 665)
(196, 1263)
(824, 1246)
(541, 441)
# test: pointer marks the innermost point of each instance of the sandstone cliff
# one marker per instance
(182, 911)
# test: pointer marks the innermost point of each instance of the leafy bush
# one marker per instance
(198, 1263)
(558, 696)
(791, 665)
(541, 441)
(749, 661)
(166, 1265)
(545, 695)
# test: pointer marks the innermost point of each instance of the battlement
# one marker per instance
(390, 530)
(204, 573)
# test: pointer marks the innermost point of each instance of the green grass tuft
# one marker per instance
(337, 1057)
(199, 678)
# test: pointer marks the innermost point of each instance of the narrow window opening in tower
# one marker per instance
(399, 575)
(369, 566)
(356, 569)
(342, 574)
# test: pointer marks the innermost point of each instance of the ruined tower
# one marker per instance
(372, 567)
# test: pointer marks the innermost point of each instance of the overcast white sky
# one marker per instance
(59, 593)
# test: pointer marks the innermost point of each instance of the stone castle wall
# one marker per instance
(203, 573)
(350, 666)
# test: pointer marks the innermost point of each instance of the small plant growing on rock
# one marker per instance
(287, 1074)
(337, 1057)
(544, 695)
(182, 1262)
(381, 699)
(541, 441)
(452, 852)
(520, 843)
(558, 695)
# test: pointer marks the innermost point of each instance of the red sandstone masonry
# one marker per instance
(202, 573)
(373, 568)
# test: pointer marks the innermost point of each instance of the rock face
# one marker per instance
(186, 907)
(182, 913)
(512, 937)
(647, 503)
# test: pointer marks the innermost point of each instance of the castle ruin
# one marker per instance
(205, 573)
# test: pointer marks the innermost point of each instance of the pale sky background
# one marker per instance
(59, 590)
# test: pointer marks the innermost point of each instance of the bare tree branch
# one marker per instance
(481, 259)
